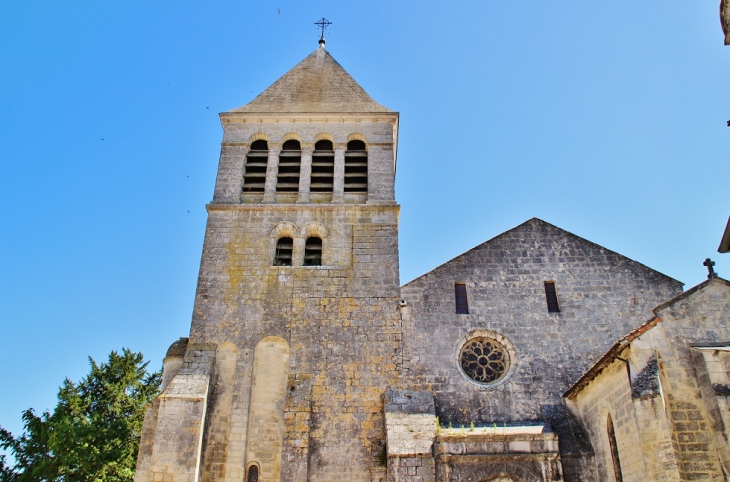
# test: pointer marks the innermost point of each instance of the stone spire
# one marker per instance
(316, 84)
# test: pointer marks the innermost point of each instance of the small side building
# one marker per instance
(656, 404)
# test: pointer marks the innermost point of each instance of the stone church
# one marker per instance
(535, 356)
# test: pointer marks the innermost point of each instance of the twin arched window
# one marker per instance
(313, 252)
(285, 252)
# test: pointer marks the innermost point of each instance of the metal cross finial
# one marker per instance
(323, 24)
(711, 272)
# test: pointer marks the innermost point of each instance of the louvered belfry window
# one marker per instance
(313, 252)
(462, 305)
(254, 178)
(552, 297)
(284, 248)
(290, 160)
(323, 167)
(356, 167)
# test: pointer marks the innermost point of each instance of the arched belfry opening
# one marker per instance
(290, 161)
(323, 166)
(356, 167)
(254, 178)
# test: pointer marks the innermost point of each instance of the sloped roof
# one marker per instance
(316, 84)
(625, 341)
(725, 243)
(536, 224)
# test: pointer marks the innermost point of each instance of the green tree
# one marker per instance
(94, 431)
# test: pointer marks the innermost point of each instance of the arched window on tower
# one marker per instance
(356, 167)
(614, 450)
(290, 160)
(253, 473)
(323, 167)
(254, 178)
(284, 248)
(313, 252)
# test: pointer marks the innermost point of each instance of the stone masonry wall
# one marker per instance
(701, 316)
(674, 424)
(341, 321)
(611, 395)
(377, 130)
(602, 296)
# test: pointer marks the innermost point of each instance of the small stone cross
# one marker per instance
(710, 271)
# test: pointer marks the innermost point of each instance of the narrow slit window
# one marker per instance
(552, 297)
(284, 248)
(290, 161)
(313, 252)
(254, 177)
(356, 167)
(462, 305)
(614, 450)
(323, 167)
(253, 474)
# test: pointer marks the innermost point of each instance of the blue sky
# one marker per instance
(607, 119)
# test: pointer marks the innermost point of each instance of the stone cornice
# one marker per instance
(298, 207)
(308, 118)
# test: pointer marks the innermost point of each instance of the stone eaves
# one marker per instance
(618, 347)
(539, 224)
(317, 84)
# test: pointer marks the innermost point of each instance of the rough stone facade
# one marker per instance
(306, 360)
(602, 296)
(286, 365)
(664, 386)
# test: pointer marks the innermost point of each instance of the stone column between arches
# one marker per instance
(272, 172)
(305, 172)
(338, 182)
(265, 433)
(231, 169)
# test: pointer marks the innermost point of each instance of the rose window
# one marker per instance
(484, 360)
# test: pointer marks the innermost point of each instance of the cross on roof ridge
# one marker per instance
(323, 24)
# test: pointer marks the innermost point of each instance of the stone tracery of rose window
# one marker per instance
(484, 360)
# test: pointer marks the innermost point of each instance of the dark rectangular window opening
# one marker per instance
(462, 306)
(284, 249)
(552, 297)
(313, 252)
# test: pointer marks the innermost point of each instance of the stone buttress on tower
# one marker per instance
(296, 326)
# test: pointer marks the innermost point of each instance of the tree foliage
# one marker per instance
(94, 431)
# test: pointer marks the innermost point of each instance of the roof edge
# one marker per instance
(725, 242)
(532, 220)
(612, 354)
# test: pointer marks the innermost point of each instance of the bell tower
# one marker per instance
(296, 328)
